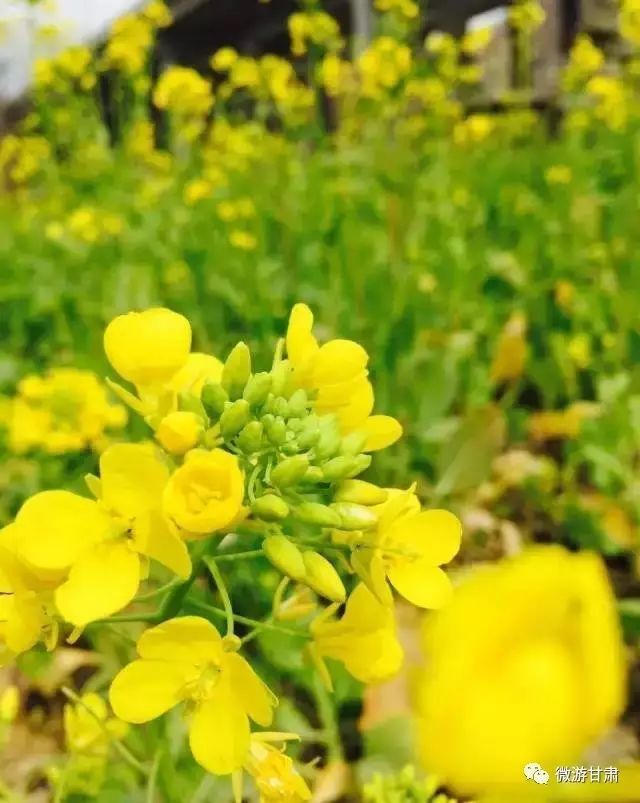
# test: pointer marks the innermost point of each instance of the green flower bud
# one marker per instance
(353, 443)
(362, 463)
(313, 474)
(189, 403)
(315, 513)
(360, 492)
(298, 404)
(257, 389)
(250, 437)
(237, 370)
(289, 471)
(338, 468)
(270, 508)
(280, 407)
(275, 429)
(285, 556)
(328, 443)
(294, 425)
(234, 417)
(354, 517)
(290, 447)
(323, 578)
(214, 397)
(281, 374)
(309, 432)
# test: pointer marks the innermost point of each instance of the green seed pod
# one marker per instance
(290, 471)
(353, 443)
(362, 463)
(354, 517)
(250, 437)
(281, 374)
(276, 430)
(257, 389)
(234, 417)
(298, 404)
(315, 513)
(214, 397)
(285, 556)
(237, 370)
(360, 492)
(270, 508)
(323, 578)
(338, 468)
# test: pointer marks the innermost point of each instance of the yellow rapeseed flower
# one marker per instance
(185, 659)
(94, 548)
(364, 639)
(148, 348)
(274, 773)
(205, 494)
(407, 547)
(510, 664)
(337, 371)
(88, 728)
(184, 92)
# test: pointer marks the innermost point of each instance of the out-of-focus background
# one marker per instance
(455, 185)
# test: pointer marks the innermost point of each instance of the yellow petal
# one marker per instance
(352, 414)
(102, 581)
(132, 478)
(198, 369)
(148, 348)
(55, 527)
(432, 535)
(257, 698)
(183, 639)
(377, 658)
(421, 583)
(338, 361)
(301, 344)
(381, 431)
(144, 690)
(156, 538)
(219, 732)
(22, 620)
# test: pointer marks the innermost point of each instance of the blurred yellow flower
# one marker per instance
(185, 659)
(129, 44)
(630, 21)
(403, 8)
(313, 27)
(274, 773)
(510, 666)
(184, 92)
(558, 175)
(205, 494)
(526, 16)
(551, 424)
(243, 240)
(511, 350)
(88, 728)
(383, 65)
(364, 639)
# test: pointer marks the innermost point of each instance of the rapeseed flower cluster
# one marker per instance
(274, 454)
(64, 410)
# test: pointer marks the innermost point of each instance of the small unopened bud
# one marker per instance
(289, 471)
(237, 370)
(362, 463)
(298, 404)
(315, 513)
(285, 556)
(231, 643)
(309, 432)
(250, 437)
(257, 389)
(290, 447)
(234, 417)
(191, 403)
(360, 492)
(275, 429)
(354, 517)
(180, 431)
(280, 407)
(281, 374)
(313, 474)
(338, 468)
(214, 397)
(353, 443)
(328, 443)
(270, 508)
(323, 578)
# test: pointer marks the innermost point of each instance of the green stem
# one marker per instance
(153, 777)
(245, 620)
(62, 783)
(158, 592)
(224, 593)
(250, 553)
(327, 714)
